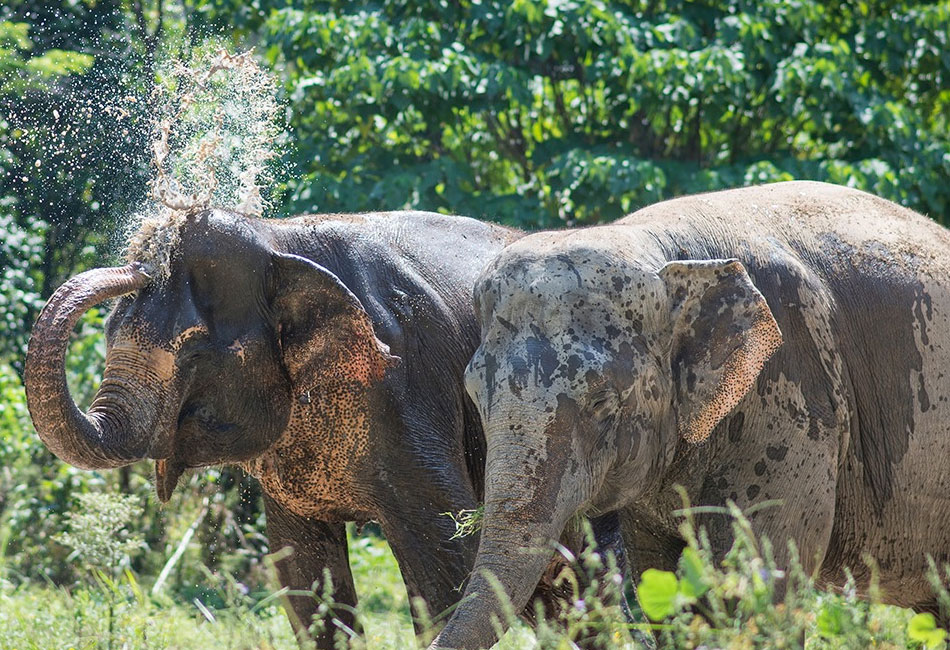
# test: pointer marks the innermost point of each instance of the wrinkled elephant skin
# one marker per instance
(788, 341)
(323, 353)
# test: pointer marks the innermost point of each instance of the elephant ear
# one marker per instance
(723, 333)
(322, 326)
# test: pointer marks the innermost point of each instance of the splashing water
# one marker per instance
(216, 130)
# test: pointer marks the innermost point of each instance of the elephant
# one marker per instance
(781, 342)
(322, 353)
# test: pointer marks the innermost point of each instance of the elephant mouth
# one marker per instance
(198, 430)
(199, 418)
(168, 470)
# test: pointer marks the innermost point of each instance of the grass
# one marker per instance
(43, 617)
(726, 605)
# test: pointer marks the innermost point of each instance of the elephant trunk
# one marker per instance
(102, 438)
(528, 501)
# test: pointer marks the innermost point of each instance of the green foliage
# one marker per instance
(658, 592)
(36, 492)
(36, 616)
(98, 532)
(72, 148)
(743, 600)
(467, 522)
(922, 628)
(542, 114)
(243, 621)
(21, 250)
(20, 73)
(120, 614)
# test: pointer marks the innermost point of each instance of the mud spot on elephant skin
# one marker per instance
(921, 302)
(776, 453)
(720, 332)
(518, 377)
(760, 468)
(752, 492)
(508, 325)
(542, 356)
(922, 397)
(569, 263)
(574, 364)
(546, 480)
(802, 359)
(490, 368)
(883, 317)
(539, 362)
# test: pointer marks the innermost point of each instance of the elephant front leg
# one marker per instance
(307, 548)
(434, 566)
(608, 541)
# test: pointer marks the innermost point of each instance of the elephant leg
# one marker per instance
(608, 533)
(306, 548)
(609, 540)
(434, 566)
(650, 543)
(556, 596)
(785, 483)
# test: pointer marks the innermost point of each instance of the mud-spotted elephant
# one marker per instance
(324, 353)
(788, 341)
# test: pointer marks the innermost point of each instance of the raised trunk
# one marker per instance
(526, 509)
(100, 439)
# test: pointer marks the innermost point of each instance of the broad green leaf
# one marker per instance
(657, 593)
(923, 629)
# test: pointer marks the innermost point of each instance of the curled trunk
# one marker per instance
(101, 438)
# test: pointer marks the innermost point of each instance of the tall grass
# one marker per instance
(739, 601)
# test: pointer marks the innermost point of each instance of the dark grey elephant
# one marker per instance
(324, 353)
(788, 341)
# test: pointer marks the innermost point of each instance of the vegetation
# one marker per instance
(731, 604)
(535, 114)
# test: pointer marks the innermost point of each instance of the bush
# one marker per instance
(20, 254)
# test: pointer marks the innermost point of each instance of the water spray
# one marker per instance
(215, 133)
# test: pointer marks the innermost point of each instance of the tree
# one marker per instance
(73, 147)
(544, 114)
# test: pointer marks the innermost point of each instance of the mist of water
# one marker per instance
(216, 133)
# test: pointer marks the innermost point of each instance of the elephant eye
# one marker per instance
(603, 404)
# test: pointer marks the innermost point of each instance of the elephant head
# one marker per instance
(209, 360)
(594, 365)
